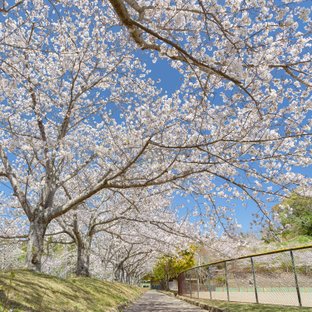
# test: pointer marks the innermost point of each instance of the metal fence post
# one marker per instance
(296, 278)
(209, 283)
(226, 281)
(198, 282)
(254, 279)
(190, 284)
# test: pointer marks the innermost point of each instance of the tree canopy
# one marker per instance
(81, 113)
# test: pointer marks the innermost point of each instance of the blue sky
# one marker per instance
(170, 80)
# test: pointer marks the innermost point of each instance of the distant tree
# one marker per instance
(170, 266)
(295, 215)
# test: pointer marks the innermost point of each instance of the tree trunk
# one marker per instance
(167, 282)
(119, 273)
(37, 231)
(83, 259)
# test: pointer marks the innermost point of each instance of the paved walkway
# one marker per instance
(153, 301)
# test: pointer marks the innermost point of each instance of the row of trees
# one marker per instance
(84, 124)
(113, 235)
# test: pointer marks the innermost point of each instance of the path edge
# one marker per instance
(194, 302)
(121, 307)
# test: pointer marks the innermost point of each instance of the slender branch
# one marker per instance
(3, 174)
(10, 174)
(13, 237)
(8, 9)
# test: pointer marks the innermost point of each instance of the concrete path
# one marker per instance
(153, 301)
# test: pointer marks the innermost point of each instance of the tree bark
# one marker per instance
(83, 259)
(119, 273)
(35, 246)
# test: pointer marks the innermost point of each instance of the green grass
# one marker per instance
(289, 241)
(252, 307)
(22, 290)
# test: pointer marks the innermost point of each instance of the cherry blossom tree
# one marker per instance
(56, 130)
(115, 258)
(78, 104)
(118, 214)
(129, 250)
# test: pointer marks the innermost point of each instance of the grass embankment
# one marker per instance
(22, 290)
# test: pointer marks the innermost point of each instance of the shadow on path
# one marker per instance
(153, 301)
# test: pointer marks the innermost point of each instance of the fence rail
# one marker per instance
(277, 277)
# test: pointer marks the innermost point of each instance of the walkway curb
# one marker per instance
(194, 302)
(201, 304)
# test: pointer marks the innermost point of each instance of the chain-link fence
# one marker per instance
(278, 277)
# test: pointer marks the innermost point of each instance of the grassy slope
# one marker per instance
(28, 291)
(288, 242)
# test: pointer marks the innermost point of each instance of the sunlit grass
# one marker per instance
(252, 307)
(28, 291)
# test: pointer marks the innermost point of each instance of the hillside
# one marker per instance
(28, 291)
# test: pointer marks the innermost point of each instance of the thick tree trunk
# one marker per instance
(37, 231)
(83, 260)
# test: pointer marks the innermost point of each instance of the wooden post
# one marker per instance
(181, 284)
